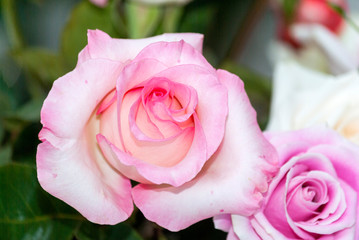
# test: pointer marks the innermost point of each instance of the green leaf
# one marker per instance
(26, 116)
(83, 17)
(11, 23)
(2, 130)
(118, 17)
(90, 231)
(229, 25)
(5, 155)
(9, 70)
(197, 17)
(29, 112)
(41, 63)
(27, 212)
(142, 19)
(7, 97)
(171, 18)
(25, 143)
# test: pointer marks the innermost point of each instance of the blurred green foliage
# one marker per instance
(26, 76)
(28, 212)
(289, 7)
(85, 16)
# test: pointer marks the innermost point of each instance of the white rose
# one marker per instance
(303, 97)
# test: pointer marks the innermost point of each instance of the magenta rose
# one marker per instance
(314, 195)
(156, 112)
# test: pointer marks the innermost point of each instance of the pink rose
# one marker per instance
(314, 195)
(153, 111)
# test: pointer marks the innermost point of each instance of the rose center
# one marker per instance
(305, 198)
(309, 194)
(158, 93)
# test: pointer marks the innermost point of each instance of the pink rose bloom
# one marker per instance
(156, 112)
(314, 195)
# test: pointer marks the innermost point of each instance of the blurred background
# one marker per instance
(39, 42)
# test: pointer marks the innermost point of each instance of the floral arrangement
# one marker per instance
(145, 124)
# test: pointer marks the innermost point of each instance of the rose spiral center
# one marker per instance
(305, 197)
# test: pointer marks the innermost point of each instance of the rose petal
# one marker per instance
(231, 235)
(348, 233)
(231, 181)
(243, 229)
(223, 222)
(174, 53)
(305, 195)
(293, 227)
(346, 219)
(175, 175)
(74, 97)
(265, 229)
(70, 165)
(212, 97)
(101, 45)
(346, 169)
(335, 204)
(298, 104)
(311, 161)
(275, 209)
(301, 79)
(342, 154)
(68, 170)
(210, 93)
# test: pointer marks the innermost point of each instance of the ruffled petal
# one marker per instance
(79, 175)
(243, 229)
(209, 120)
(342, 154)
(69, 163)
(175, 175)
(232, 181)
(232, 235)
(223, 222)
(212, 107)
(347, 219)
(74, 97)
(101, 45)
(265, 229)
(174, 53)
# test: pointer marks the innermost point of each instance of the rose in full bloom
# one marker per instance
(314, 195)
(153, 111)
(303, 97)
